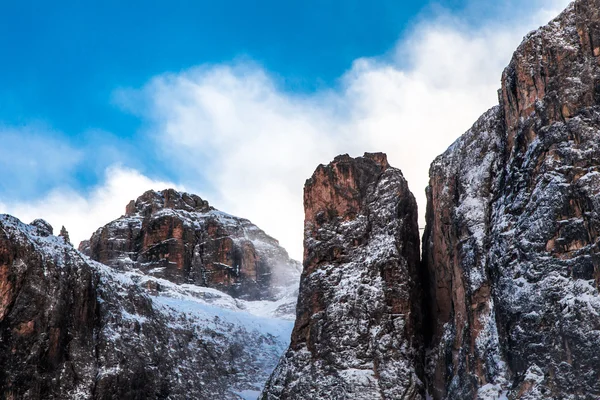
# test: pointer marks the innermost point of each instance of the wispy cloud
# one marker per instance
(81, 213)
(230, 133)
(256, 144)
(35, 157)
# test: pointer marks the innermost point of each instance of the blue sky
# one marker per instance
(63, 62)
(200, 94)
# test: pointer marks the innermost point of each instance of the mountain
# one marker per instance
(509, 306)
(356, 334)
(181, 238)
(178, 300)
(512, 228)
(141, 328)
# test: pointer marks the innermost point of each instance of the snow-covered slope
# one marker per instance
(97, 332)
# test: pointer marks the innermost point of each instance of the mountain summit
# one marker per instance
(181, 238)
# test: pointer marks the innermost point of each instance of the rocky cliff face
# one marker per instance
(72, 328)
(504, 303)
(511, 245)
(461, 316)
(48, 314)
(357, 329)
(179, 237)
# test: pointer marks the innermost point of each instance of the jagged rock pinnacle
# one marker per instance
(356, 332)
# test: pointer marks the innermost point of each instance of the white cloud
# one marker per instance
(252, 144)
(547, 10)
(255, 144)
(83, 214)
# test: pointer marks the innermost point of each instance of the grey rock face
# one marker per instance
(512, 229)
(357, 329)
(72, 328)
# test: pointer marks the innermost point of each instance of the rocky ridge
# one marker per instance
(73, 328)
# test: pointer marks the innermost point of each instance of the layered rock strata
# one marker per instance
(356, 334)
(181, 238)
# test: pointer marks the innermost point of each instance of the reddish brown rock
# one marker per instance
(554, 73)
(179, 237)
(357, 332)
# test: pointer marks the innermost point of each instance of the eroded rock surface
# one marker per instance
(461, 320)
(72, 328)
(181, 238)
(511, 245)
(356, 334)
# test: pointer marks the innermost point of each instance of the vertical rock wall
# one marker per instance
(462, 333)
(511, 244)
(358, 317)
